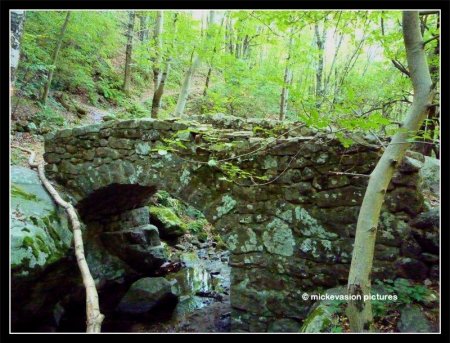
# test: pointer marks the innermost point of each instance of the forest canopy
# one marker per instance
(346, 68)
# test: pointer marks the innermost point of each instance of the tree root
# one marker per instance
(93, 314)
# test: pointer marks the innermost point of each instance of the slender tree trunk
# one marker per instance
(185, 88)
(246, 47)
(129, 51)
(230, 34)
(208, 77)
(333, 62)
(211, 62)
(17, 22)
(285, 93)
(158, 46)
(54, 59)
(143, 28)
(158, 93)
(359, 311)
(287, 80)
(320, 40)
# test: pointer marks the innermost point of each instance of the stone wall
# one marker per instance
(293, 234)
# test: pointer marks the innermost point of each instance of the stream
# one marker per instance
(203, 288)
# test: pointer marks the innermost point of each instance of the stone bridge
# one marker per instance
(270, 189)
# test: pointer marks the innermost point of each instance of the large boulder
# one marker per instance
(412, 319)
(145, 295)
(40, 232)
(41, 268)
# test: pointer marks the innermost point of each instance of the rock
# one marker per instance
(108, 117)
(426, 231)
(412, 319)
(347, 196)
(284, 325)
(429, 174)
(392, 230)
(145, 294)
(40, 233)
(405, 199)
(409, 268)
(434, 272)
(429, 258)
(140, 247)
(169, 224)
(427, 220)
(410, 248)
(410, 165)
(180, 247)
(31, 127)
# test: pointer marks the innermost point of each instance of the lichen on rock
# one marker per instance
(278, 238)
(228, 203)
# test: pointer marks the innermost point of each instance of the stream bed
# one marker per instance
(203, 289)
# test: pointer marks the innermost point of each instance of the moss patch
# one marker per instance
(16, 191)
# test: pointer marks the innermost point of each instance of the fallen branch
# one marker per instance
(93, 314)
(344, 173)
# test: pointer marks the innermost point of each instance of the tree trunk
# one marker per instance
(17, 22)
(54, 59)
(143, 28)
(185, 88)
(129, 50)
(158, 93)
(327, 79)
(157, 35)
(320, 40)
(359, 311)
(287, 80)
(208, 76)
(229, 34)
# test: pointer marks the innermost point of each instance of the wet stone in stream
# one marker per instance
(202, 286)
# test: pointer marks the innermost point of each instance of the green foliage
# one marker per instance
(406, 292)
(231, 172)
(247, 53)
(197, 225)
(48, 117)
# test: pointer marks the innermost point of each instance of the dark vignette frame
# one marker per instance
(5, 6)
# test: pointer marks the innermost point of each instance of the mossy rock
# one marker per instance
(177, 213)
(40, 233)
(169, 224)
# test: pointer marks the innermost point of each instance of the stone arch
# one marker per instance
(283, 237)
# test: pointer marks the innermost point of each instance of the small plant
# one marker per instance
(197, 225)
(406, 292)
(48, 117)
